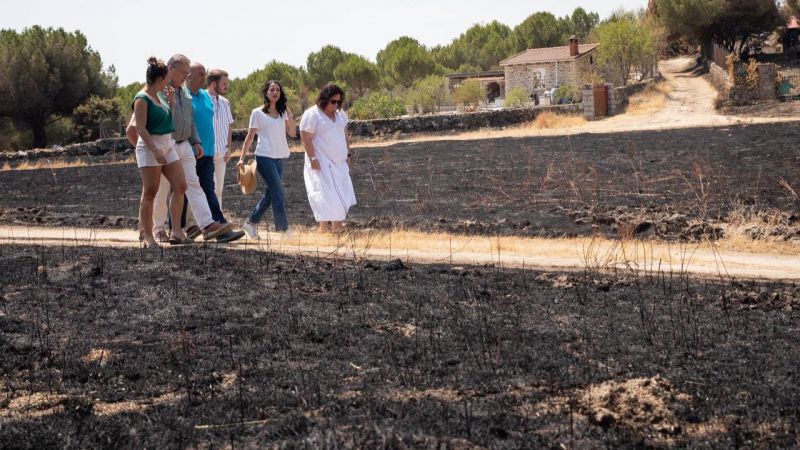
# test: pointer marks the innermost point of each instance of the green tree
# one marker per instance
(124, 100)
(320, 65)
(582, 23)
(626, 42)
(470, 93)
(358, 73)
(246, 94)
(729, 23)
(96, 118)
(45, 74)
(404, 61)
(428, 93)
(482, 46)
(377, 105)
(468, 68)
(540, 29)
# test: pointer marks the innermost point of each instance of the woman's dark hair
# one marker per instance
(281, 104)
(328, 91)
(155, 69)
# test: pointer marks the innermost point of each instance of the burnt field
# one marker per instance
(676, 184)
(211, 347)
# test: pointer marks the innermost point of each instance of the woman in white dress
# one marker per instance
(327, 171)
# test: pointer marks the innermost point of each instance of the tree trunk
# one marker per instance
(39, 135)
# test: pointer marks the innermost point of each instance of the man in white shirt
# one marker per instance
(217, 86)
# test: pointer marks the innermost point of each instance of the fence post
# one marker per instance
(766, 82)
(588, 102)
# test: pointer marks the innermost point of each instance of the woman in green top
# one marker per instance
(155, 152)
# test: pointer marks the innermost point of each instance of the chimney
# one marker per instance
(573, 46)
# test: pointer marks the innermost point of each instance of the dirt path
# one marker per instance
(534, 253)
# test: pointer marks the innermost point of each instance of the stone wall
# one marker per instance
(720, 79)
(617, 98)
(454, 122)
(767, 74)
(743, 95)
(527, 75)
(358, 128)
(97, 148)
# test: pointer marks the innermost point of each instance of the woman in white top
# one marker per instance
(327, 171)
(272, 123)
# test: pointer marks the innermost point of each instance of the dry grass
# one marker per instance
(550, 120)
(63, 163)
(652, 99)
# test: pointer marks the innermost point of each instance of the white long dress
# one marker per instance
(330, 189)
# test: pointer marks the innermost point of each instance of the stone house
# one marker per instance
(547, 68)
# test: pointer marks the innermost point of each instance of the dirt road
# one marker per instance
(534, 253)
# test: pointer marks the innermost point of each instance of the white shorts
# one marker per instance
(145, 156)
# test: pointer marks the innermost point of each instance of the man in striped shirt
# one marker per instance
(217, 86)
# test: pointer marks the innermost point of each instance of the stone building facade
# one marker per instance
(547, 68)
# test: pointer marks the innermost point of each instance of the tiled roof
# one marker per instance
(539, 55)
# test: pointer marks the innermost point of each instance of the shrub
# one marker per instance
(429, 93)
(516, 97)
(377, 106)
(470, 93)
(564, 94)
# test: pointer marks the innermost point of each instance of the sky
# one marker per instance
(242, 36)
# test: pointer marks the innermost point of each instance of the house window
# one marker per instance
(591, 60)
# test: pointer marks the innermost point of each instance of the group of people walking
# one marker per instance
(181, 130)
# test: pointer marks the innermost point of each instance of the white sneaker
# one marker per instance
(287, 234)
(251, 230)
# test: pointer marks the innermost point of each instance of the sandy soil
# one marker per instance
(551, 254)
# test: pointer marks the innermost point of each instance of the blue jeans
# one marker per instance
(205, 172)
(271, 170)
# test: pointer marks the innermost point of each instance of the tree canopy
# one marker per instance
(727, 22)
(358, 73)
(541, 29)
(404, 61)
(627, 41)
(48, 72)
(480, 46)
(320, 65)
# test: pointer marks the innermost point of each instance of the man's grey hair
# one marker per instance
(178, 59)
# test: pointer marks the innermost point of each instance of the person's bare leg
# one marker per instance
(177, 180)
(151, 177)
(324, 227)
(337, 227)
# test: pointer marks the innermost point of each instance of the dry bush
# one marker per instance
(548, 120)
(649, 100)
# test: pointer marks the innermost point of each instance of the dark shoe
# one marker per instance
(173, 240)
(215, 230)
(230, 236)
(193, 231)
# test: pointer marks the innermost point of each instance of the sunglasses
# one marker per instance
(334, 102)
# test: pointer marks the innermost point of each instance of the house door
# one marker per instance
(600, 94)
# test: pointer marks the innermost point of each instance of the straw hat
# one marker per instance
(247, 177)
